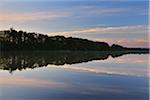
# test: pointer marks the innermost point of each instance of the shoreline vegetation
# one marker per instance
(12, 40)
(21, 50)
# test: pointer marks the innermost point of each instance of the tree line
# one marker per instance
(13, 40)
(20, 40)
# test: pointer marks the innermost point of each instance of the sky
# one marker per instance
(114, 21)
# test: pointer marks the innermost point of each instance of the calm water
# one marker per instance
(74, 76)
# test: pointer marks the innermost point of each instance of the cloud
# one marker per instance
(31, 16)
(136, 42)
(106, 30)
(74, 12)
(52, 14)
(89, 10)
(115, 30)
(102, 11)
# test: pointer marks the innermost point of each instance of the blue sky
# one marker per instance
(123, 22)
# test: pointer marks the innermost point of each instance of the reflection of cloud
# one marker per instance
(11, 80)
(105, 70)
(107, 30)
(137, 60)
(30, 16)
(94, 88)
(72, 87)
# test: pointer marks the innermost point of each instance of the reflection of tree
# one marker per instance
(12, 61)
(115, 54)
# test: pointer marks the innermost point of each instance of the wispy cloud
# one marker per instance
(75, 12)
(136, 42)
(102, 11)
(31, 16)
(54, 14)
(88, 10)
(117, 30)
(107, 30)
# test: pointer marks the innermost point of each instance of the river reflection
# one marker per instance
(74, 76)
(21, 60)
(13, 61)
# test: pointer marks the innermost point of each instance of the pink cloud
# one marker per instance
(136, 42)
(131, 42)
(107, 30)
(30, 16)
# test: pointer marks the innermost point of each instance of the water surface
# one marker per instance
(73, 76)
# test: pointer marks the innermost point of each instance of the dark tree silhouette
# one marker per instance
(23, 41)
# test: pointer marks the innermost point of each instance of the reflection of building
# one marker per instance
(2, 34)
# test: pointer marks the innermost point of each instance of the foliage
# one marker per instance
(23, 41)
